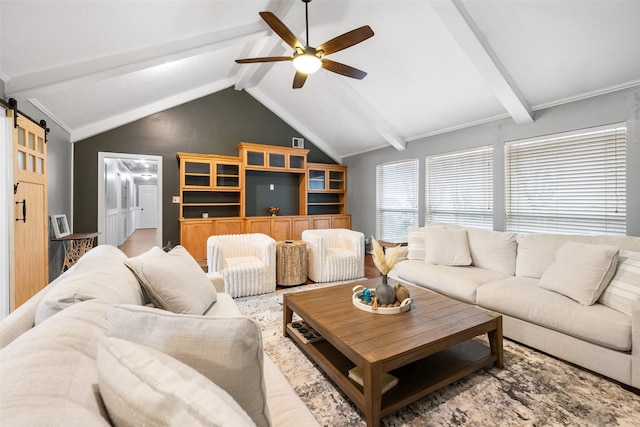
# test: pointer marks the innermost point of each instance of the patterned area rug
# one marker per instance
(533, 389)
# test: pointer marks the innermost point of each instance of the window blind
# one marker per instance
(459, 188)
(396, 198)
(571, 183)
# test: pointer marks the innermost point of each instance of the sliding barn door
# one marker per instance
(30, 260)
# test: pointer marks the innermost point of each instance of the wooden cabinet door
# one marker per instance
(30, 252)
(281, 228)
(300, 224)
(229, 226)
(194, 235)
(321, 222)
(258, 225)
(341, 222)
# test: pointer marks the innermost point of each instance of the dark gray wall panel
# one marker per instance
(214, 124)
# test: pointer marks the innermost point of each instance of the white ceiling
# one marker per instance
(433, 66)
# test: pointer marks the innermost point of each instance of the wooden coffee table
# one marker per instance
(426, 347)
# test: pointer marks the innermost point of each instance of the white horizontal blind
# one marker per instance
(571, 183)
(459, 188)
(396, 198)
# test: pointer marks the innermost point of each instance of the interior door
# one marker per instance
(30, 261)
(148, 205)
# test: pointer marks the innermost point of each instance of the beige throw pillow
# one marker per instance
(227, 350)
(581, 271)
(446, 247)
(415, 240)
(141, 386)
(624, 290)
(174, 281)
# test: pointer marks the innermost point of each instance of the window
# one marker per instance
(568, 183)
(396, 199)
(459, 188)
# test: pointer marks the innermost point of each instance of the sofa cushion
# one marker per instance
(581, 271)
(520, 297)
(624, 289)
(49, 374)
(446, 247)
(228, 351)
(493, 250)
(174, 281)
(456, 282)
(142, 386)
(99, 274)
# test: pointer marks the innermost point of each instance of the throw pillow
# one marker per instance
(227, 350)
(415, 239)
(581, 271)
(99, 274)
(624, 290)
(446, 247)
(142, 386)
(174, 281)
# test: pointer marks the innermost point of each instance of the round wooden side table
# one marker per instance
(291, 262)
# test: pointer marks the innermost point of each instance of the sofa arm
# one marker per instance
(635, 344)
(216, 280)
(215, 255)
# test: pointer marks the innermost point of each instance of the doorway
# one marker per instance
(129, 196)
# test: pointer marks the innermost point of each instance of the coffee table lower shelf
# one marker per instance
(417, 379)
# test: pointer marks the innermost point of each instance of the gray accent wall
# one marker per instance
(614, 107)
(214, 124)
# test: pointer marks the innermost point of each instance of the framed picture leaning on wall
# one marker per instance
(60, 225)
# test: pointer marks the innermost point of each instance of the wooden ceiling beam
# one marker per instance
(461, 25)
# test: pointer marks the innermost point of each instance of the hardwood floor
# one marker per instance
(139, 242)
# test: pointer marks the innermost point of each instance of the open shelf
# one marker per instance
(416, 380)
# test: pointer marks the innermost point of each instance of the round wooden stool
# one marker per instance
(291, 262)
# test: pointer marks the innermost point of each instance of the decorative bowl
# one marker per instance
(357, 301)
(273, 210)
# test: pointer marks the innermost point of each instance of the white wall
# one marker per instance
(6, 203)
(615, 107)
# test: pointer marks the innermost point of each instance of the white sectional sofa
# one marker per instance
(572, 296)
(91, 349)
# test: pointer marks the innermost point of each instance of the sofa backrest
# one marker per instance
(492, 250)
(537, 251)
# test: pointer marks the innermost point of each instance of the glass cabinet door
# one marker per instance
(256, 158)
(296, 162)
(197, 174)
(316, 179)
(227, 175)
(277, 160)
(336, 180)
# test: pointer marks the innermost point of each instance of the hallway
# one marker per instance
(139, 242)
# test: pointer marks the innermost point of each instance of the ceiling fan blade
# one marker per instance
(343, 69)
(299, 79)
(281, 30)
(346, 40)
(264, 59)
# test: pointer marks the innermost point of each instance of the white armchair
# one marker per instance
(247, 262)
(334, 254)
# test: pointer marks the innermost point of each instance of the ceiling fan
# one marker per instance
(307, 59)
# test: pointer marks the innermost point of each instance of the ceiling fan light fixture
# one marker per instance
(307, 63)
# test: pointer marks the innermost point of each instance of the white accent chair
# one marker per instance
(334, 254)
(247, 262)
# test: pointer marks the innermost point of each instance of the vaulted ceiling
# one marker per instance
(433, 66)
